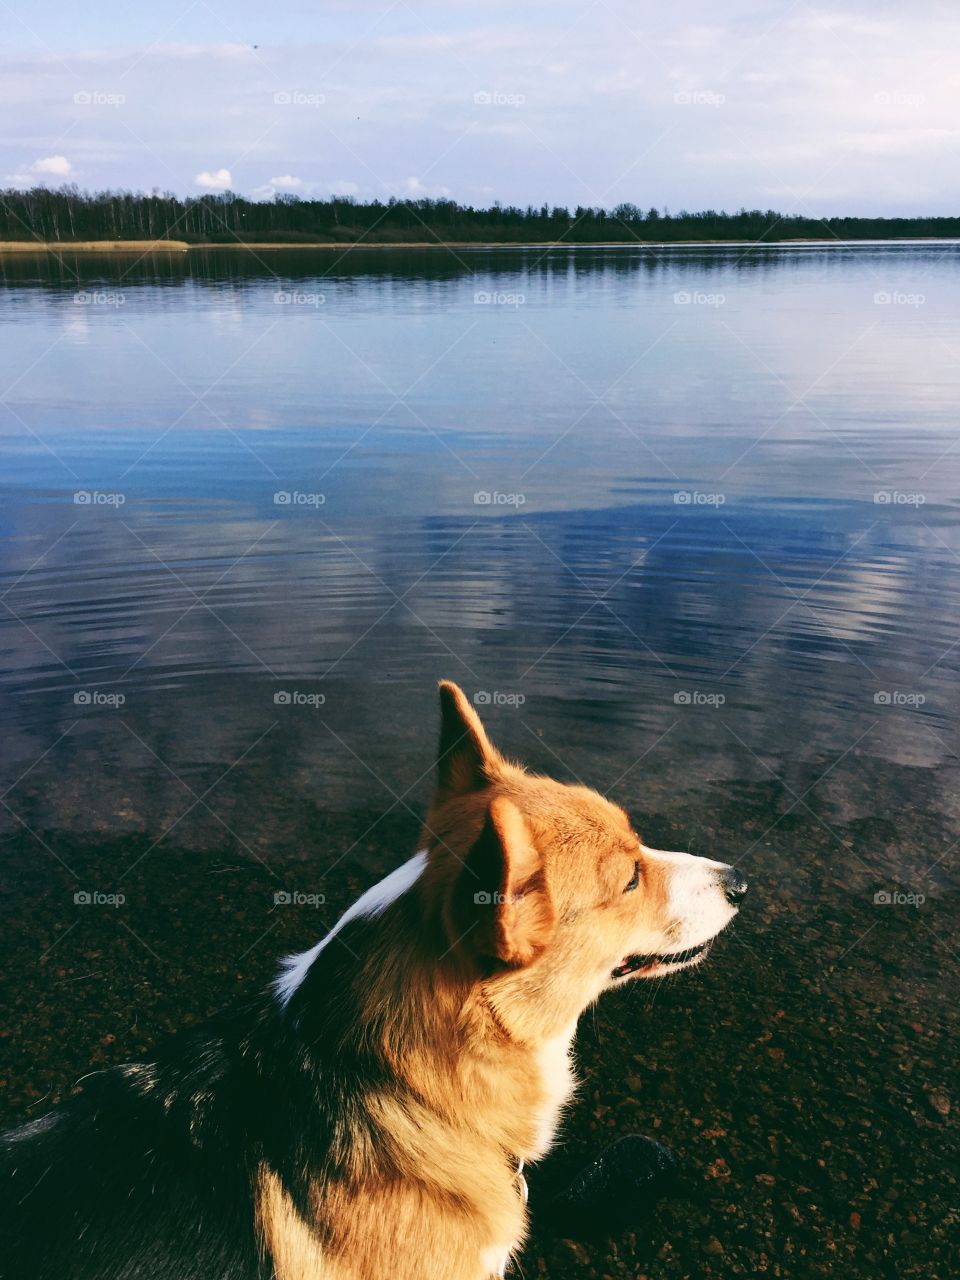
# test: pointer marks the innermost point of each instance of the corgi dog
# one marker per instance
(369, 1117)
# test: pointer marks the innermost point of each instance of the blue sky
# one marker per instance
(805, 108)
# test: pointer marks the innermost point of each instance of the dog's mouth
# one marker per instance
(649, 965)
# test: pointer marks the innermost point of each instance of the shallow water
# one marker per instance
(683, 522)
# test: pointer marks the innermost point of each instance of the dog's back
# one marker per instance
(142, 1175)
(155, 1171)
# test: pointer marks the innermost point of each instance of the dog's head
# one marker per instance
(547, 890)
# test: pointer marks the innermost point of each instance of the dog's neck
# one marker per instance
(445, 1036)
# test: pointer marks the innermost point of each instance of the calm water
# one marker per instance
(383, 394)
(686, 522)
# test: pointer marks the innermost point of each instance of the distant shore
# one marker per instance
(182, 246)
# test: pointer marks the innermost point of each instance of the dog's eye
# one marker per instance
(635, 878)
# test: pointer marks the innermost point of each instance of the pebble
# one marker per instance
(939, 1099)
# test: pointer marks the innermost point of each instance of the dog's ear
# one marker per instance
(466, 757)
(501, 910)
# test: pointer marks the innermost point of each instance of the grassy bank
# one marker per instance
(93, 246)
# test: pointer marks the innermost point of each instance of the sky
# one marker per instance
(818, 110)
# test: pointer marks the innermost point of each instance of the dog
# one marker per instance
(369, 1117)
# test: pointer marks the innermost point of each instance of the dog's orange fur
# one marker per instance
(473, 1004)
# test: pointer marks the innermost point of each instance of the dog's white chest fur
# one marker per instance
(558, 1081)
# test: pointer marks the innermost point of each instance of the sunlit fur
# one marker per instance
(378, 1101)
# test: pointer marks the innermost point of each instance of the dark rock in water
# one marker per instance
(619, 1189)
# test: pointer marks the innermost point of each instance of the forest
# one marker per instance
(67, 214)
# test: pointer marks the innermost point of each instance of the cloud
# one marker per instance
(47, 167)
(57, 166)
(289, 184)
(285, 183)
(229, 50)
(217, 180)
(845, 22)
(413, 187)
(879, 143)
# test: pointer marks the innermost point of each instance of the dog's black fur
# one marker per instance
(148, 1173)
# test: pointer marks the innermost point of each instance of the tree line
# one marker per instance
(67, 213)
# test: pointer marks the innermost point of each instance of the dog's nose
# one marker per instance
(734, 886)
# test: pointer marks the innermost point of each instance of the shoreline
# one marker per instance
(182, 246)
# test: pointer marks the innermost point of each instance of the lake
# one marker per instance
(683, 522)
